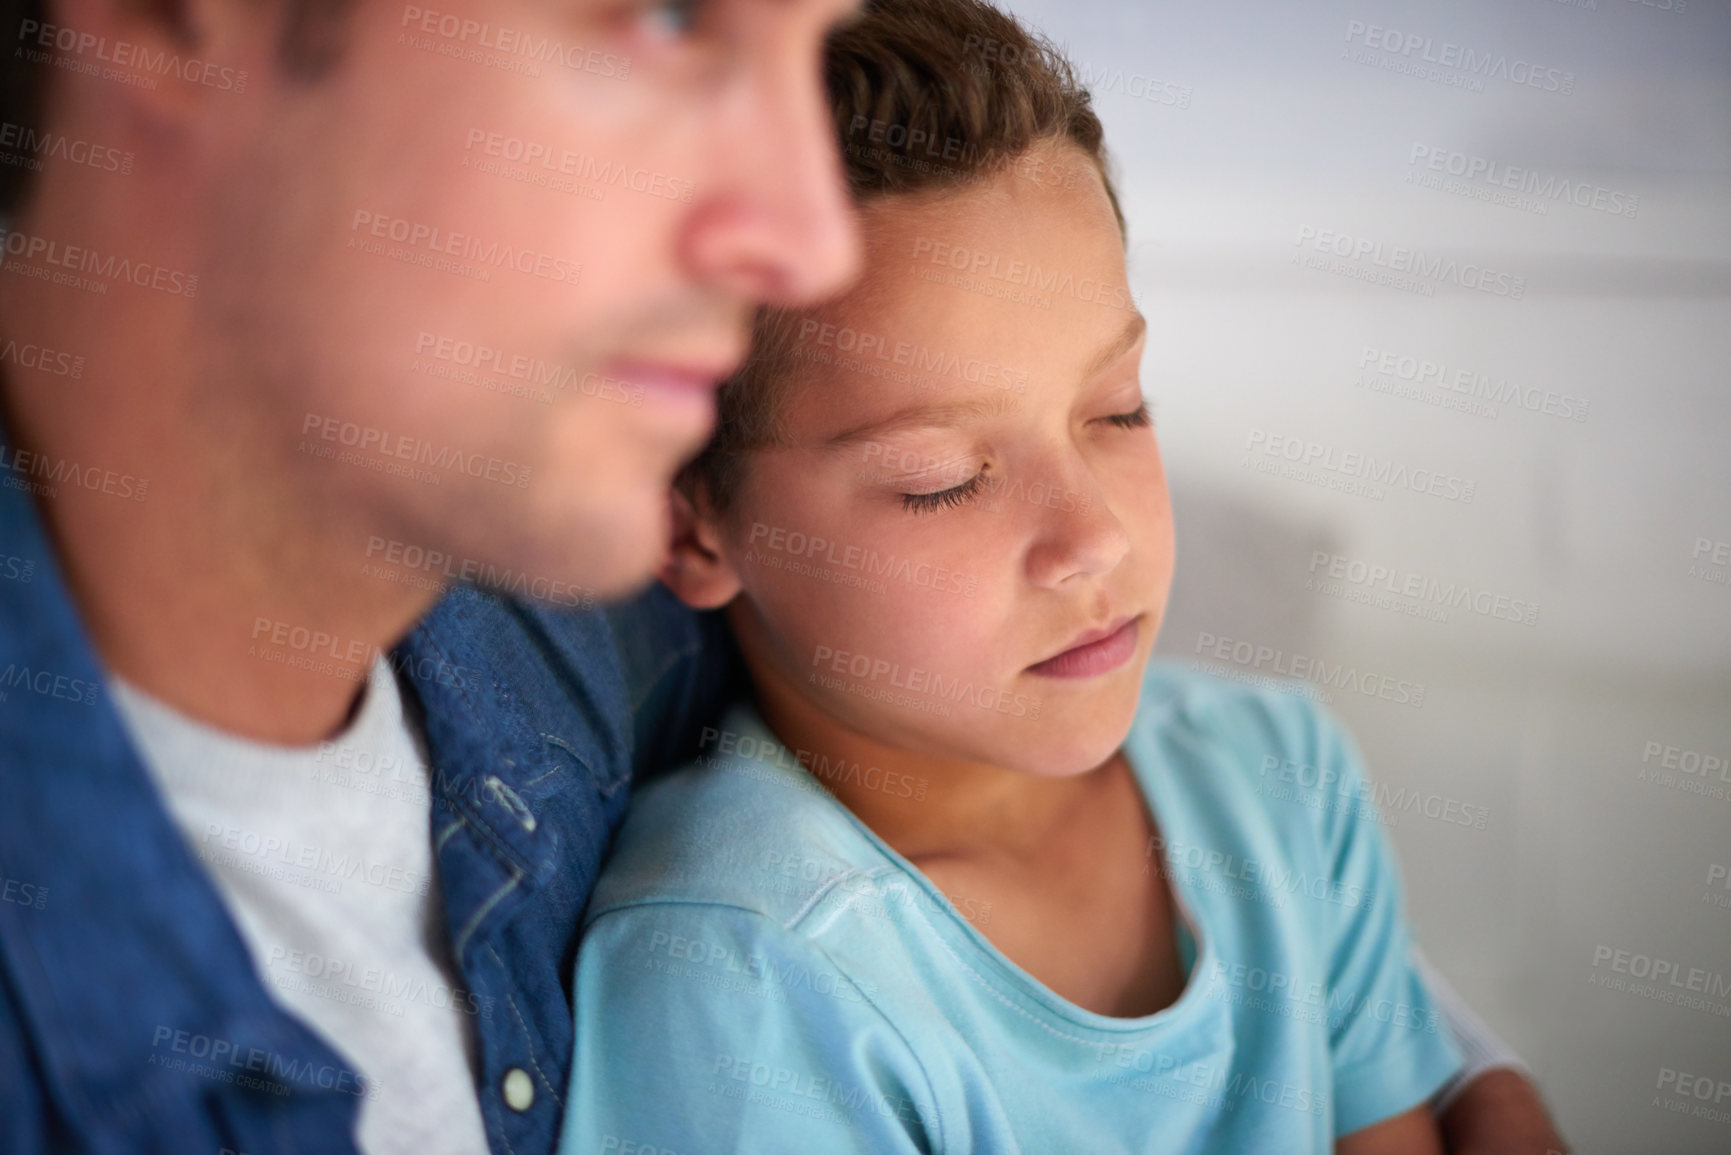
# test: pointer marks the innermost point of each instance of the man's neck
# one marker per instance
(230, 590)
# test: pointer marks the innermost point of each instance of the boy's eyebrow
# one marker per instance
(922, 415)
(1117, 347)
(949, 414)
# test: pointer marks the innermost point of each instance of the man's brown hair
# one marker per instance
(927, 96)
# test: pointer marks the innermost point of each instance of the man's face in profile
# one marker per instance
(525, 235)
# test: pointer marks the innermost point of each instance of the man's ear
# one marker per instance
(177, 54)
(696, 568)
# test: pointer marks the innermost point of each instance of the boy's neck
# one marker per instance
(958, 807)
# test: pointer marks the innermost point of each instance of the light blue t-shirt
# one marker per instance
(760, 973)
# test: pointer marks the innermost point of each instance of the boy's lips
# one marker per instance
(1094, 651)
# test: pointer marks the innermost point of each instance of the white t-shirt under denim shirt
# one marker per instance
(323, 855)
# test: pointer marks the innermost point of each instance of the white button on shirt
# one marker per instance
(519, 1089)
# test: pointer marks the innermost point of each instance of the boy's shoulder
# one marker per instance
(744, 825)
(1269, 746)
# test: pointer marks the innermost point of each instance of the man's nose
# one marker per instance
(779, 228)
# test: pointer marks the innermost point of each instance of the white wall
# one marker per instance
(1256, 129)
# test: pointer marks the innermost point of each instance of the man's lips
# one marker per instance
(1094, 651)
(691, 380)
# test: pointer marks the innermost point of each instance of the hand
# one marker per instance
(1500, 1113)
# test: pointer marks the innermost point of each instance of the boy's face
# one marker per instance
(517, 232)
(929, 622)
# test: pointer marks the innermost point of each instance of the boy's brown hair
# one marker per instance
(927, 96)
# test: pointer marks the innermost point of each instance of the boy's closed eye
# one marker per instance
(956, 495)
(945, 498)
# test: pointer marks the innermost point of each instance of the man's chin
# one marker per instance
(615, 556)
(624, 586)
(565, 557)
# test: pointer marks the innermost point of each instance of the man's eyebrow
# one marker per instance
(924, 415)
(1109, 353)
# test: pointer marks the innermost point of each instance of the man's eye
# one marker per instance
(672, 19)
(944, 498)
(1137, 418)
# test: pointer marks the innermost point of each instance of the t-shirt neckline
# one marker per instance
(1187, 1008)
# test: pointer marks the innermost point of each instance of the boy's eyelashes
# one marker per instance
(1138, 418)
(945, 498)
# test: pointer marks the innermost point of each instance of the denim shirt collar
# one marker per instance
(482, 747)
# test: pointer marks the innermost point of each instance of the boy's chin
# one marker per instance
(1082, 749)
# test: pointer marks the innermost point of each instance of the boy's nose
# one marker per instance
(1080, 536)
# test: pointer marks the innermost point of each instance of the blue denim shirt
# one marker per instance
(131, 1018)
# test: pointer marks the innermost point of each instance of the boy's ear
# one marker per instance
(696, 569)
